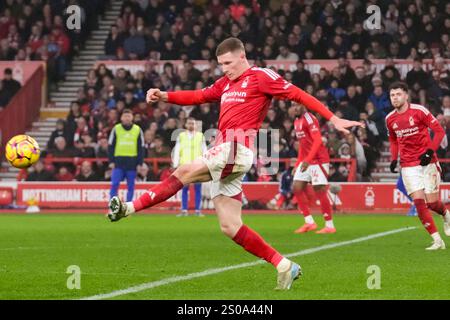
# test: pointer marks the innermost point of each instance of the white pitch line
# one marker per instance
(208, 272)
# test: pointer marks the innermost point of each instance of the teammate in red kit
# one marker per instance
(313, 165)
(408, 128)
(245, 94)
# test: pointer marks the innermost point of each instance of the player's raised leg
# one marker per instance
(197, 171)
(229, 211)
(298, 188)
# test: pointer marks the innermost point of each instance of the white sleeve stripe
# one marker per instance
(273, 72)
(266, 72)
(269, 72)
(421, 108)
(308, 118)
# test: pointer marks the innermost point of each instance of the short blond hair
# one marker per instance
(229, 45)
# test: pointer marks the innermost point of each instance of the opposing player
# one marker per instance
(408, 128)
(245, 94)
(313, 165)
(284, 195)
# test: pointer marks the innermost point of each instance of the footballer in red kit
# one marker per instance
(408, 127)
(244, 93)
(312, 166)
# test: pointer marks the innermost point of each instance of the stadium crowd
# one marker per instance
(36, 30)
(166, 30)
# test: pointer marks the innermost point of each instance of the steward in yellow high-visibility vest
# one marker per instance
(190, 146)
(125, 152)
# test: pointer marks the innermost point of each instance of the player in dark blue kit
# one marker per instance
(285, 190)
(401, 187)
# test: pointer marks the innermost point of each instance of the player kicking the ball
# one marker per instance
(408, 133)
(312, 166)
(244, 93)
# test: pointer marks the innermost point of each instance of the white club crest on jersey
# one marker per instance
(245, 83)
(395, 126)
(411, 121)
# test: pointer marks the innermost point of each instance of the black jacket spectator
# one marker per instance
(86, 173)
(9, 85)
(417, 78)
(40, 173)
(114, 41)
(60, 131)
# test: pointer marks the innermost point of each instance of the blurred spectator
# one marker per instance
(114, 41)
(134, 45)
(286, 54)
(60, 131)
(159, 150)
(301, 77)
(144, 174)
(81, 129)
(4, 96)
(9, 85)
(86, 146)
(336, 175)
(39, 173)
(418, 82)
(86, 172)
(62, 150)
(64, 175)
(380, 100)
(377, 117)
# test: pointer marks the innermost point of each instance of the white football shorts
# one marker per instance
(426, 178)
(316, 174)
(228, 163)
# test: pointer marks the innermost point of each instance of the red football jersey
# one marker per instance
(408, 133)
(244, 101)
(312, 149)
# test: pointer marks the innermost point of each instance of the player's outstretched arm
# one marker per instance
(343, 124)
(313, 104)
(275, 85)
(188, 97)
(155, 95)
(184, 97)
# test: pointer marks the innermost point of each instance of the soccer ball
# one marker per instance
(22, 151)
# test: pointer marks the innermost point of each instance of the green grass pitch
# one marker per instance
(36, 250)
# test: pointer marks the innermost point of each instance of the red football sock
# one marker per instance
(280, 200)
(255, 244)
(325, 205)
(158, 193)
(302, 202)
(425, 216)
(437, 207)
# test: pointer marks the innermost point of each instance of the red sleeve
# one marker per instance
(314, 130)
(273, 84)
(186, 97)
(212, 93)
(393, 144)
(438, 131)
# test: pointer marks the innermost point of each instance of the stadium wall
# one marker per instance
(353, 197)
(24, 107)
